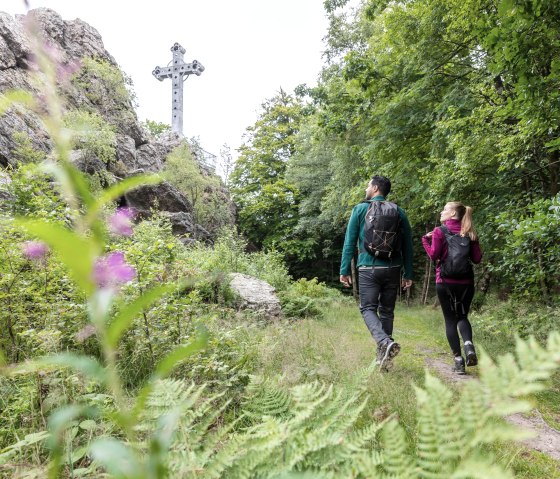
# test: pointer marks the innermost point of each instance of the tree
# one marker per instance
(267, 203)
(226, 162)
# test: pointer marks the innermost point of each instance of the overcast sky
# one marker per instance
(250, 48)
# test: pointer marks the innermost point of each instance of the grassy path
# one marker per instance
(333, 348)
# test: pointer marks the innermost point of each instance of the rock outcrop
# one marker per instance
(256, 295)
(136, 151)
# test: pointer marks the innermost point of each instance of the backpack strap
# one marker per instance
(445, 230)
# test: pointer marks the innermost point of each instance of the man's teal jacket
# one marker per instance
(355, 236)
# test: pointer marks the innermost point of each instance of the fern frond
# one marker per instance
(396, 460)
(264, 399)
(310, 430)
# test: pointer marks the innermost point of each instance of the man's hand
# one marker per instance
(405, 283)
(346, 280)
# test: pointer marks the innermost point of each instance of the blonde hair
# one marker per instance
(465, 214)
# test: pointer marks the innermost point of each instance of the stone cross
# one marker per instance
(176, 70)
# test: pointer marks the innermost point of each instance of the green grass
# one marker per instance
(334, 348)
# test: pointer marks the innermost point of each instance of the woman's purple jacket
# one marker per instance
(437, 250)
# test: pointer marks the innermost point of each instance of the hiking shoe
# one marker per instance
(470, 354)
(459, 365)
(386, 352)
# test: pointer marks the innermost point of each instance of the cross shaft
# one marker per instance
(178, 71)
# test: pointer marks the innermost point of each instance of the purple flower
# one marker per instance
(120, 223)
(111, 271)
(66, 71)
(35, 250)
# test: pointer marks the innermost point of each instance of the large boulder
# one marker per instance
(256, 295)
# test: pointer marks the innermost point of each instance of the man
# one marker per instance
(379, 276)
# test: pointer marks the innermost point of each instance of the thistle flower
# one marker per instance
(35, 250)
(120, 223)
(110, 271)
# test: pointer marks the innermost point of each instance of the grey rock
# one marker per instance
(256, 295)
(162, 196)
(7, 58)
(126, 152)
(11, 32)
(88, 163)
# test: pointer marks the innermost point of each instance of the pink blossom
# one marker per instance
(35, 250)
(120, 223)
(65, 72)
(111, 271)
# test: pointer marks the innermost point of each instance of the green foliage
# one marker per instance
(451, 105)
(24, 151)
(529, 248)
(229, 255)
(99, 278)
(267, 203)
(155, 127)
(201, 188)
(34, 194)
(502, 320)
(108, 90)
(39, 300)
(305, 298)
(92, 134)
(314, 428)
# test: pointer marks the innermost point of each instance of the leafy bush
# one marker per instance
(42, 308)
(24, 151)
(92, 134)
(315, 430)
(229, 256)
(108, 91)
(508, 318)
(155, 127)
(34, 194)
(204, 190)
(305, 298)
(530, 250)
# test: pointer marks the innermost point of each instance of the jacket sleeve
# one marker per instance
(476, 252)
(407, 251)
(350, 240)
(434, 249)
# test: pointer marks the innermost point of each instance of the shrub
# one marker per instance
(508, 318)
(305, 298)
(92, 134)
(530, 250)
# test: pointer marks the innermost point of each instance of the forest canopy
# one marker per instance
(452, 100)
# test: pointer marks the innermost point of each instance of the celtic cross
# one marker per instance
(178, 71)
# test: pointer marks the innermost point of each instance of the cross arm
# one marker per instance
(182, 69)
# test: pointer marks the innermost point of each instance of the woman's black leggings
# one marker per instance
(455, 300)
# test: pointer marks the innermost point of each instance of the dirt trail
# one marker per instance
(547, 439)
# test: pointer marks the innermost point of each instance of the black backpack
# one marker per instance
(382, 229)
(458, 264)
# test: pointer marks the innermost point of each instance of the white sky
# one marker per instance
(250, 48)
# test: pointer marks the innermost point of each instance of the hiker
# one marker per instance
(382, 233)
(454, 247)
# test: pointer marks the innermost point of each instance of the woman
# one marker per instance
(455, 289)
